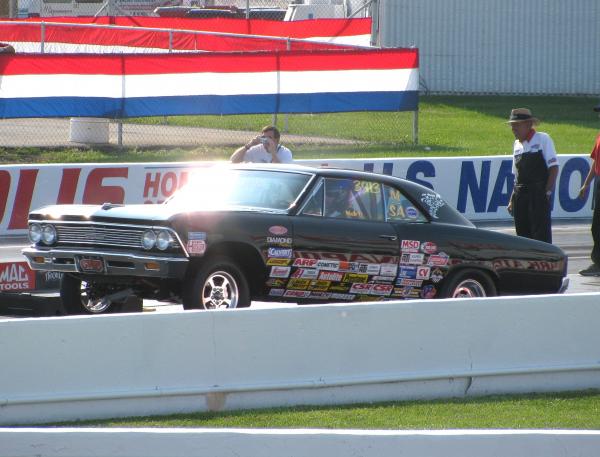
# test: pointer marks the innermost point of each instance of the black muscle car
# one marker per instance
(285, 233)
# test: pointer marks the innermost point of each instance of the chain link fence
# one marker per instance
(223, 133)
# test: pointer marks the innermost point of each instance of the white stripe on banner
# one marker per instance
(187, 84)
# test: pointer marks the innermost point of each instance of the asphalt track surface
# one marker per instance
(573, 237)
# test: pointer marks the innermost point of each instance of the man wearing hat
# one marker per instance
(594, 268)
(535, 167)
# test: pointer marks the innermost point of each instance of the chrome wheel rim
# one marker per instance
(220, 291)
(90, 304)
(469, 288)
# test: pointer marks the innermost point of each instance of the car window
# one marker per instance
(399, 207)
(314, 205)
(218, 188)
(353, 199)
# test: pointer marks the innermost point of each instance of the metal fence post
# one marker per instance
(416, 126)
(43, 37)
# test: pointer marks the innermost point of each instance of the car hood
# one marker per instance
(100, 213)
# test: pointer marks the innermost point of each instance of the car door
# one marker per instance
(423, 261)
(343, 247)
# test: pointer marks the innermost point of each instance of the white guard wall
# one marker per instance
(479, 187)
(499, 47)
(83, 367)
(296, 443)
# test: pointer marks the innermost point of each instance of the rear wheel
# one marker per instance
(469, 283)
(81, 297)
(218, 284)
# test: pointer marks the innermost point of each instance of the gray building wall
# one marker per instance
(499, 46)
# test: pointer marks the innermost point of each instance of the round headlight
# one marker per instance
(48, 234)
(35, 233)
(148, 239)
(163, 240)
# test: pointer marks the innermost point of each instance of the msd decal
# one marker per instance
(16, 277)
(410, 246)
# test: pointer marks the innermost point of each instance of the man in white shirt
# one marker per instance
(264, 148)
(535, 166)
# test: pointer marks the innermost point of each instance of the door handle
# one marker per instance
(389, 237)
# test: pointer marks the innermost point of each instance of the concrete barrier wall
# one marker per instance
(296, 443)
(139, 364)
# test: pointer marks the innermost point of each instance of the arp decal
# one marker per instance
(302, 262)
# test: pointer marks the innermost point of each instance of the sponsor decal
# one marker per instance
(280, 272)
(341, 287)
(279, 240)
(331, 276)
(302, 262)
(428, 247)
(385, 279)
(382, 289)
(436, 275)
(278, 230)
(406, 292)
(388, 269)
(319, 285)
(280, 253)
(276, 292)
(320, 295)
(411, 212)
(296, 293)
(16, 276)
(433, 202)
(437, 260)
(410, 282)
(296, 283)
(369, 268)
(407, 272)
(423, 272)
(412, 259)
(349, 266)
(328, 265)
(281, 262)
(307, 273)
(410, 246)
(355, 277)
(196, 244)
(276, 282)
(428, 291)
(336, 296)
(361, 288)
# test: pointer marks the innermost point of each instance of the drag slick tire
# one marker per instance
(81, 297)
(218, 284)
(469, 283)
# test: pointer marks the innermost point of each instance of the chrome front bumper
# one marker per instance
(115, 263)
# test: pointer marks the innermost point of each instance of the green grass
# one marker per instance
(574, 410)
(448, 126)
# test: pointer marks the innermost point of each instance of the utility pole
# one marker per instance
(13, 8)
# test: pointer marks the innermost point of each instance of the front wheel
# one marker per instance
(218, 284)
(469, 283)
(81, 297)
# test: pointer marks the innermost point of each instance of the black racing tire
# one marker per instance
(74, 295)
(468, 283)
(218, 284)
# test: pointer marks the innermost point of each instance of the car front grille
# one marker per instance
(101, 235)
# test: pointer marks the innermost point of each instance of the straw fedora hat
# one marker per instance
(522, 115)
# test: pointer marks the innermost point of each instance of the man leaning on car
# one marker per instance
(263, 148)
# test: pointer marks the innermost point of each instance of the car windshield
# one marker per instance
(214, 188)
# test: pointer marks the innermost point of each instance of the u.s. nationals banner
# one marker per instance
(120, 86)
